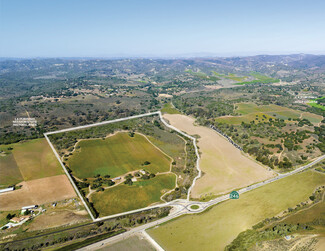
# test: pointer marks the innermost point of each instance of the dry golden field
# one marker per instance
(37, 192)
(224, 167)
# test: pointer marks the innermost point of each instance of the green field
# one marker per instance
(217, 227)
(117, 155)
(260, 78)
(305, 216)
(168, 108)
(173, 146)
(317, 105)
(231, 76)
(133, 243)
(249, 111)
(29, 160)
(202, 75)
(9, 171)
(236, 120)
(124, 198)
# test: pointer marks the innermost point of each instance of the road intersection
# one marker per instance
(183, 207)
(180, 206)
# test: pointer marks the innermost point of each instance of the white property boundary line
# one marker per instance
(152, 241)
(70, 178)
(114, 121)
(196, 152)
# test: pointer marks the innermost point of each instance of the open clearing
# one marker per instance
(224, 167)
(141, 194)
(249, 111)
(117, 155)
(315, 212)
(37, 192)
(56, 218)
(35, 159)
(169, 108)
(134, 243)
(216, 228)
(9, 171)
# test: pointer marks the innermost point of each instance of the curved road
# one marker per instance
(182, 207)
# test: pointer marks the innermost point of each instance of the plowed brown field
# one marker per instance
(37, 192)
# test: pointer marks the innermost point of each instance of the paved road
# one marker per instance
(182, 207)
(114, 121)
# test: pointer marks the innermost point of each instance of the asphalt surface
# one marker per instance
(183, 207)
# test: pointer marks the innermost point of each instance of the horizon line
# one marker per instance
(180, 56)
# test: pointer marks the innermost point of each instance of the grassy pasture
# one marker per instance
(231, 76)
(202, 75)
(224, 167)
(313, 118)
(317, 105)
(123, 197)
(173, 146)
(168, 108)
(133, 243)
(117, 155)
(9, 171)
(29, 160)
(260, 78)
(309, 215)
(236, 120)
(247, 108)
(249, 111)
(217, 227)
(36, 160)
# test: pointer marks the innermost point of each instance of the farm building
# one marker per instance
(21, 218)
(29, 207)
(7, 189)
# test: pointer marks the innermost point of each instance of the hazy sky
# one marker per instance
(86, 28)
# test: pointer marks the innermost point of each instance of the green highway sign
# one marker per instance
(234, 195)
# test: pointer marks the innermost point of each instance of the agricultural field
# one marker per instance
(259, 78)
(279, 137)
(302, 225)
(217, 227)
(124, 198)
(250, 111)
(9, 171)
(32, 167)
(37, 192)
(231, 76)
(138, 158)
(224, 167)
(169, 108)
(318, 103)
(201, 75)
(26, 161)
(134, 243)
(65, 213)
(116, 155)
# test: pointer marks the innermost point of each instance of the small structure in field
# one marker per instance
(7, 189)
(30, 207)
(21, 218)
